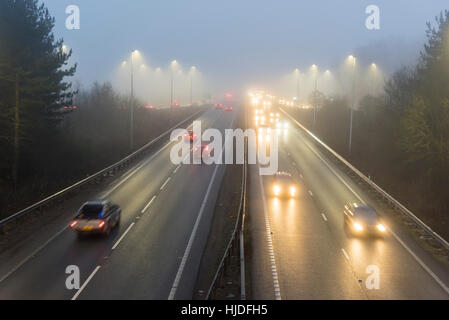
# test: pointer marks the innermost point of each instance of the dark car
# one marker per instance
(99, 216)
(284, 185)
(228, 108)
(361, 219)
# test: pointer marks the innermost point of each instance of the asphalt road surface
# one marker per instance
(155, 252)
(300, 247)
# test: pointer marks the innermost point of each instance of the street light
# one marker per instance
(373, 69)
(353, 101)
(192, 70)
(172, 65)
(315, 70)
(297, 85)
(131, 126)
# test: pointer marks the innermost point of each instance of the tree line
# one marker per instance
(44, 146)
(401, 138)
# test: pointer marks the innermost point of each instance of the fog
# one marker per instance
(154, 85)
(236, 45)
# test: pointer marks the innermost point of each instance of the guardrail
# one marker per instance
(236, 242)
(396, 204)
(109, 170)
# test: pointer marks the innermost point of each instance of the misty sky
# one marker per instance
(239, 43)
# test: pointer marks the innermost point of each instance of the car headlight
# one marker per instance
(277, 189)
(381, 227)
(358, 226)
(292, 190)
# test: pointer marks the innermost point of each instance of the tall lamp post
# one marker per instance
(315, 70)
(192, 70)
(373, 77)
(297, 85)
(172, 65)
(131, 125)
(353, 102)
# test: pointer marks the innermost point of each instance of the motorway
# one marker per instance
(155, 252)
(301, 251)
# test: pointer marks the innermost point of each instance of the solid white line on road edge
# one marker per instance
(324, 217)
(33, 254)
(165, 183)
(191, 239)
(176, 169)
(123, 235)
(345, 254)
(421, 263)
(36, 251)
(85, 283)
(417, 259)
(277, 289)
(310, 192)
(193, 234)
(148, 204)
(107, 193)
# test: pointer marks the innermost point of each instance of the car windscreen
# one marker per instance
(367, 216)
(284, 179)
(90, 211)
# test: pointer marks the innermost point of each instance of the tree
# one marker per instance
(31, 74)
(425, 123)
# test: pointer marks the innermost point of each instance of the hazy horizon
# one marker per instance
(236, 45)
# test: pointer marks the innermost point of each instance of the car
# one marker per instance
(189, 136)
(218, 105)
(228, 108)
(98, 216)
(201, 151)
(361, 219)
(284, 185)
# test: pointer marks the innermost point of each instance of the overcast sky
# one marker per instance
(238, 43)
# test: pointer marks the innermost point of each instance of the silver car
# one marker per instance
(99, 216)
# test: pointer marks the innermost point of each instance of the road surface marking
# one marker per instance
(85, 283)
(191, 239)
(176, 169)
(324, 217)
(417, 259)
(186, 254)
(107, 193)
(165, 183)
(34, 253)
(300, 175)
(123, 235)
(148, 204)
(310, 192)
(421, 263)
(345, 254)
(274, 274)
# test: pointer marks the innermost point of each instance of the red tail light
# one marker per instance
(73, 224)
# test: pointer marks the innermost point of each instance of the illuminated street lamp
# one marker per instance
(373, 69)
(315, 71)
(131, 126)
(172, 66)
(192, 70)
(353, 100)
(297, 85)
